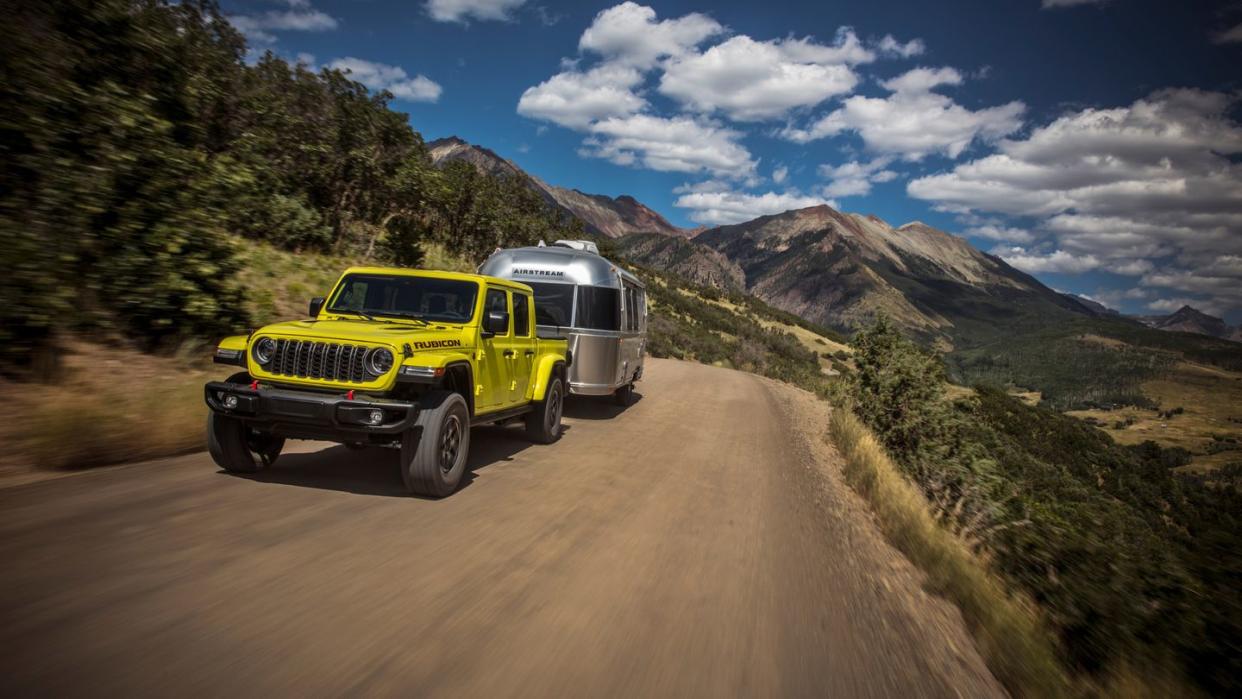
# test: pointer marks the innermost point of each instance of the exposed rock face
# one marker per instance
(1191, 320)
(695, 263)
(602, 215)
(842, 270)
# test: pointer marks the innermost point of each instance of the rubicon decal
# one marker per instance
(432, 344)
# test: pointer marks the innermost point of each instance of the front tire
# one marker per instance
(237, 448)
(543, 423)
(433, 462)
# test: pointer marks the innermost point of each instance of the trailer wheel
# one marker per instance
(543, 423)
(433, 455)
(624, 396)
(237, 448)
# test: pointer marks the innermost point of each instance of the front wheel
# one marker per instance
(237, 448)
(543, 423)
(432, 463)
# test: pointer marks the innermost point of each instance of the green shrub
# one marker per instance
(1128, 562)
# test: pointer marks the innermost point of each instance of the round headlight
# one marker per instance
(379, 361)
(264, 350)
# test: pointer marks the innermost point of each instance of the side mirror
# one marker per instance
(316, 305)
(496, 322)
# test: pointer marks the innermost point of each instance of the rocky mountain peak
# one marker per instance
(601, 214)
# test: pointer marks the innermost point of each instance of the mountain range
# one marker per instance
(1191, 320)
(840, 270)
(602, 215)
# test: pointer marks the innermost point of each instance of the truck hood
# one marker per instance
(378, 332)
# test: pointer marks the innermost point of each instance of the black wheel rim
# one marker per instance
(554, 410)
(450, 443)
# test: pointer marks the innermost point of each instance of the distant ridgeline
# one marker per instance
(995, 324)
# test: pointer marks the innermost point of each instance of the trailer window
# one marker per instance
(599, 308)
(554, 303)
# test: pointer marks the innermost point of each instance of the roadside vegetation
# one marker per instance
(1131, 566)
(1087, 363)
(740, 332)
(112, 402)
(139, 157)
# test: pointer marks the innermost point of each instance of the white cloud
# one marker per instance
(855, 178)
(717, 206)
(890, 46)
(575, 99)
(300, 17)
(462, 10)
(1152, 188)
(1130, 268)
(679, 144)
(1056, 261)
(1229, 36)
(379, 76)
(1004, 234)
(752, 80)
(914, 122)
(779, 174)
(629, 33)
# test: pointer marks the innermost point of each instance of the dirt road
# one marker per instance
(699, 543)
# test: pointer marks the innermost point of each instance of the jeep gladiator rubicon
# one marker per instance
(397, 358)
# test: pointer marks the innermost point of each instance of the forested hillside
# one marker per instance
(139, 146)
(1133, 565)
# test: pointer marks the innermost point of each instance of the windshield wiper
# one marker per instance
(354, 312)
(403, 316)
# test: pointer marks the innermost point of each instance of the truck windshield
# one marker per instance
(554, 303)
(398, 296)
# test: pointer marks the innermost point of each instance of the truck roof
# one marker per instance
(439, 274)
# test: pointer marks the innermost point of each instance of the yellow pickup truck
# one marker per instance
(404, 359)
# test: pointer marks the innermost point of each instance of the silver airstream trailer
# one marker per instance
(595, 304)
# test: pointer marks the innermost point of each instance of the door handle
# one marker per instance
(510, 354)
(530, 353)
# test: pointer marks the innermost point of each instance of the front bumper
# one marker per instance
(313, 415)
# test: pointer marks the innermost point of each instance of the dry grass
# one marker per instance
(1007, 630)
(808, 339)
(1209, 397)
(113, 405)
(110, 405)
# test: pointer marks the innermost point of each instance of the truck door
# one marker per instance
(523, 346)
(494, 365)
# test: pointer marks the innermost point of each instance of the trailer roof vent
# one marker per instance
(583, 245)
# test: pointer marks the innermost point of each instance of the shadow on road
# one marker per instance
(596, 407)
(374, 471)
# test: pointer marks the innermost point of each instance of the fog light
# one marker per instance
(229, 402)
(376, 417)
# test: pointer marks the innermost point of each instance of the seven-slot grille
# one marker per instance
(319, 360)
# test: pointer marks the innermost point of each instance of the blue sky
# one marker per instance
(1095, 144)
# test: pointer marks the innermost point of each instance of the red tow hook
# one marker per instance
(254, 385)
(350, 395)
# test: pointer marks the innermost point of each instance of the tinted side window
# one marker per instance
(599, 308)
(496, 301)
(521, 315)
(554, 303)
